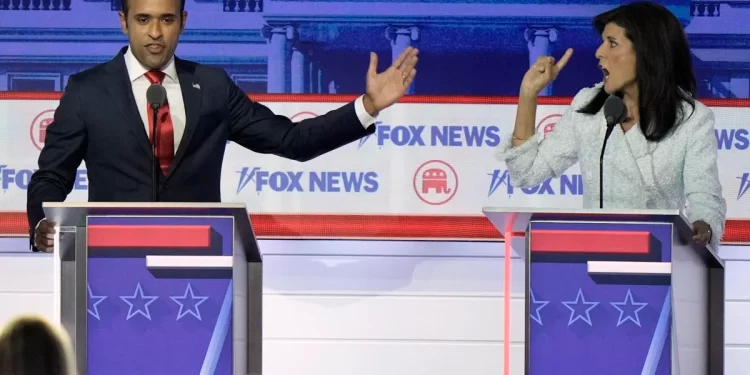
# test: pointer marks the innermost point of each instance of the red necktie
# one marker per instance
(165, 148)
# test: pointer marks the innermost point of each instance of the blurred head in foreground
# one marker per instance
(29, 345)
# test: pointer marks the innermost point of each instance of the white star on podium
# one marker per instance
(632, 305)
(192, 301)
(580, 301)
(138, 297)
(539, 305)
(97, 299)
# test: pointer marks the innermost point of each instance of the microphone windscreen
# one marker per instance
(156, 95)
(614, 110)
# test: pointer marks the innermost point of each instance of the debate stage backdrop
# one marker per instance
(369, 307)
(475, 47)
(473, 55)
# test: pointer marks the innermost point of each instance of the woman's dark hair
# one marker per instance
(664, 69)
(31, 346)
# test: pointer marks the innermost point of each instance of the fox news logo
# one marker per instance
(565, 185)
(434, 135)
(744, 185)
(732, 139)
(261, 180)
(11, 178)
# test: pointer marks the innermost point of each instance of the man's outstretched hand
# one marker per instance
(388, 87)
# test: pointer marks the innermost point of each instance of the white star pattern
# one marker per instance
(635, 307)
(539, 305)
(192, 301)
(138, 297)
(580, 301)
(97, 300)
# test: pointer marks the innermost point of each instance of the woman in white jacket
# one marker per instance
(661, 157)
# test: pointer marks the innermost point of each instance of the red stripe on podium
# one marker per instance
(149, 236)
(335, 226)
(581, 241)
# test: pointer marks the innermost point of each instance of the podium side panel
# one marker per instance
(716, 316)
(599, 298)
(690, 315)
(255, 318)
(695, 319)
(239, 304)
(71, 297)
(248, 314)
(160, 295)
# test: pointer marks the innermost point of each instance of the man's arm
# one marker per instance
(63, 151)
(256, 127)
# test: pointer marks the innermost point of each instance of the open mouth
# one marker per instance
(604, 71)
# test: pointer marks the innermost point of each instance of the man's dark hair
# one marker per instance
(664, 69)
(124, 7)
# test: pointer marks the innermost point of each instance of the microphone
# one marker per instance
(156, 96)
(615, 112)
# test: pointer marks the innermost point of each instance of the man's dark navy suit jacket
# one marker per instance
(97, 121)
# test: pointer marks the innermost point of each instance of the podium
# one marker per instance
(158, 288)
(615, 292)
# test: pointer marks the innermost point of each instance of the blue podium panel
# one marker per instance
(599, 298)
(159, 295)
(617, 292)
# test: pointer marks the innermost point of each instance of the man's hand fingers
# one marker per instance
(45, 243)
(410, 78)
(49, 226)
(372, 69)
(44, 237)
(400, 59)
(48, 240)
(409, 64)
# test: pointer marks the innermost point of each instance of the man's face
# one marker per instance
(153, 28)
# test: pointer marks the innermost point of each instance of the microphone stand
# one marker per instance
(155, 167)
(610, 127)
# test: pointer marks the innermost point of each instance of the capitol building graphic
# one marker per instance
(473, 47)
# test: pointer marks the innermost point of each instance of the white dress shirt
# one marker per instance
(171, 83)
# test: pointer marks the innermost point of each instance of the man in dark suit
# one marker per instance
(103, 119)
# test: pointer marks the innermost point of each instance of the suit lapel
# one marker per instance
(122, 93)
(641, 150)
(632, 158)
(634, 145)
(191, 96)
